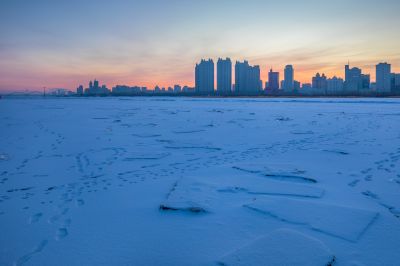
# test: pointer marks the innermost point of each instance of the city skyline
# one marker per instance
(158, 43)
(248, 83)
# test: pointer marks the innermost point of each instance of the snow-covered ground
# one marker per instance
(182, 181)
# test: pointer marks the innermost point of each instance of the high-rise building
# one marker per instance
(224, 76)
(79, 90)
(241, 70)
(95, 89)
(334, 85)
(392, 81)
(273, 80)
(187, 89)
(247, 78)
(123, 90)
(383, 83)
(288, 78)
(365, 82)
(395, 82)
(306, 86)
(353, 80)
(177, 88)
(296, 85)
(204, 77)
(319, 82)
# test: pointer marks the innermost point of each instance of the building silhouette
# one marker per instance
(177, 88)
(395, 82)
(334, 86)
(187, 89)
(353, 81)
(96, 89)
(79, 90)
(247, 78)
(365, 83)
(204, 77)
(306, 86)
(296, 85)
(383, 77)
(319, 82)
(224, 76)
(248, 82)
(273, 80)
(126, 90)
(287, 84)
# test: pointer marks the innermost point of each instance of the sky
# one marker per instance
(65, 43)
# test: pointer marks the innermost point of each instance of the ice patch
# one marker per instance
(205, 194)
(309, 132)
(343, 222)
(189, 195)
(193, 148)
(276, 188)
(188, 131)
(146, 135)
(281, 247)
(146, 156)
(279, 172)
(341, 152)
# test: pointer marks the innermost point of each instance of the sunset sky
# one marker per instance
(64, 43)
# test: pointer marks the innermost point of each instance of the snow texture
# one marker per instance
(340, 221)
(196, 181)
(281, 247)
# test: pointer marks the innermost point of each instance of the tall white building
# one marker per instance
(383, 77)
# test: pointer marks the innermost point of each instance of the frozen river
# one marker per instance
(191, 181)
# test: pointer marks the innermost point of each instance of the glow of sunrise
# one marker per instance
(147, 43)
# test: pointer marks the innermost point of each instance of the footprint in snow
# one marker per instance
(61, 233)
(35, 218)
(80, 202)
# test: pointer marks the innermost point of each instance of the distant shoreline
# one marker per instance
(4, 96)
